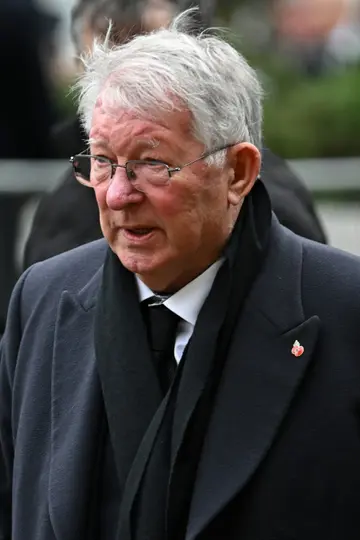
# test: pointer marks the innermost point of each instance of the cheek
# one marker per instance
(180, 208)
(189, 213)
(209, 203)
(100, 196)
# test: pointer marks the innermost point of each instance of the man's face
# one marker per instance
(168, 234)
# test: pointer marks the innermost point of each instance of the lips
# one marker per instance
(138, 234)
(140, 231)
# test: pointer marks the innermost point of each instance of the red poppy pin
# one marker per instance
(297, 349)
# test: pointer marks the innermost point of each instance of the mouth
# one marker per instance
(138, 233)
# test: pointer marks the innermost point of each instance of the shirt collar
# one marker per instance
(188, 301)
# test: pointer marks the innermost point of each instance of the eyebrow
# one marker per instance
(100, 142)
(152, 143)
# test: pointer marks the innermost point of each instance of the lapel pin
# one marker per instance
(297, 349)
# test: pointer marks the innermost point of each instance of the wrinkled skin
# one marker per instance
(190, 219)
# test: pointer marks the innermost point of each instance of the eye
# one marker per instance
(131, 173)
(155, 161)
(101, 161)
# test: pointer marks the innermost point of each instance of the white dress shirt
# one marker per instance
(186, 303)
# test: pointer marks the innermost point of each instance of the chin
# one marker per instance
(138, 263)
(156, 271)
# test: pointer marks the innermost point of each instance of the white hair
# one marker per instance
(173, 69)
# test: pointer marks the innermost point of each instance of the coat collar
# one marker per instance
(260, 380)
(87, 296)
(277, 295)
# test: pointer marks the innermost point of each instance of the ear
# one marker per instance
(245, 163)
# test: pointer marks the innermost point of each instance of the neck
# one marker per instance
(169, 280)
(168, 285)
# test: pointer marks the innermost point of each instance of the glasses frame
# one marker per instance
(114, 166)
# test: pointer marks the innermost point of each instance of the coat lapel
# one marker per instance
(82, 383)
(259, 382)
(129, 381)
(75, 413)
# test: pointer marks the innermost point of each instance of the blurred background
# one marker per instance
(306, 51)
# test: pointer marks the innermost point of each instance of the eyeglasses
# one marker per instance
(91, 170)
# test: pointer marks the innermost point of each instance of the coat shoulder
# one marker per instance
(70, 271)
(302, 279)
(331, 283)
(331, 266)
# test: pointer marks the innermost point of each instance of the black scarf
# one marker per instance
(157, 440)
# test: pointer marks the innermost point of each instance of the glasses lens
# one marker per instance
(100, 170)
(82, 168)
(151, 172)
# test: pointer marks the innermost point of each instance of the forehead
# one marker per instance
(117, 126)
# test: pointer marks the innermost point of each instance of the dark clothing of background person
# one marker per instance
(26, 112)
(26, 116)
(291, 201)
(68, 216)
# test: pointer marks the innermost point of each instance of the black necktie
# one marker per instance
(162, 325)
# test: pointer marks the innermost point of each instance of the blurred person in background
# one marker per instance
(27, 111)
(26, 115)
(195, 375)
(303, 29)
(89, 21)
(343, 42)
(68, 217)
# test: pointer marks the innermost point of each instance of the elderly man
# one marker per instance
(196, 375)
(68, 216)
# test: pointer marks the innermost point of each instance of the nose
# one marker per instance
(120, 192)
